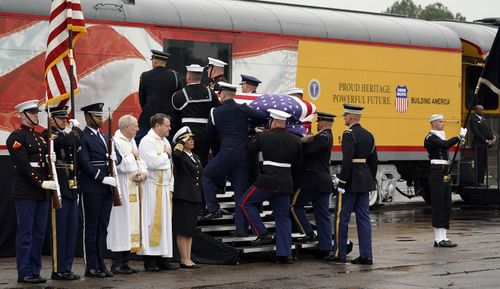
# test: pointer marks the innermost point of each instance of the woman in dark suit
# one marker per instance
(187, 196)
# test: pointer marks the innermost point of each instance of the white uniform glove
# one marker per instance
(463, 132)
(341, 190)
(53, 157)
(335, 180)
(110, 181)
(113, 156)
(50, 185)
(74, 123)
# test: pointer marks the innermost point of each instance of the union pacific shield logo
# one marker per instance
(401, 98)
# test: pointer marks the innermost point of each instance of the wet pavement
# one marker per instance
(403, 250)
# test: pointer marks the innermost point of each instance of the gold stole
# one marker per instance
(154, 240)
(132, 189)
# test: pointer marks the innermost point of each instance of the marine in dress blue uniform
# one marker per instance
(282, 154)
(156, 88)
(214, 73)
(315, 185)
(95, 187)
(356, 180)
(192, 106)
(28, 149)
(66, 217)
(230, 122)
(440, 185)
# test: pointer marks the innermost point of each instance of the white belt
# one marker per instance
(194, 119)
(276, 164)
(34, 165)
(440, 162)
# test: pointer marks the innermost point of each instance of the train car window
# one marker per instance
(487, 98)
(185, 52)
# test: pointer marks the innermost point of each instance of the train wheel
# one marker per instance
(373, 198)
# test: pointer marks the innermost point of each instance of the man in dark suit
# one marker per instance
(315, 185)
(356, 180)
(482, 136)
(28, 150)
(192, 106)
(66, 217)
(95, 187)
(156, 88)
(282, 154)
(230, 122)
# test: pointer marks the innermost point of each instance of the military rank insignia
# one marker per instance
(17, 145)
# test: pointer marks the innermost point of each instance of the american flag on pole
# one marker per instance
(65, 16)
(401, 98)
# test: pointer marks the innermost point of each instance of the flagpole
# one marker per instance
(74, 182)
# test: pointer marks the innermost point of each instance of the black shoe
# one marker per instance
(309, 238)
(132, 270)
(445, 243)
(107, 273)
(284, 260)
(262, 240)
(212, 215)
(31, 280)
(151, 268)
(350, 244)
(194, 266)
(163, 264)
(220, 190)
(121, 270)
(325, 255)
(94, 273)
(62, 276)
(335, 260)
(73, 275)
(362, 261)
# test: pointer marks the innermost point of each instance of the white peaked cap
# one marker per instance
(435, 117)
(295, 90)
(278, 114)
(227, 86)
(27, 105)
(183, 132)
(216, 62)
(194, 68)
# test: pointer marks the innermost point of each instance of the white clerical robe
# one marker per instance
(124, 223)
(156, 202)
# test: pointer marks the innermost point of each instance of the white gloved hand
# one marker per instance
(335, 180)
(463, 132)
(110, 181)
(74, 123)
(341, 190)
(53, 157)
(113, 156)
(50, 185)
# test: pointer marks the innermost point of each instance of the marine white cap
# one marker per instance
(216, 62)
(27, 105)
(435, 117)
(194, 68)
(182, 133)
(295, 90)
(278, 114)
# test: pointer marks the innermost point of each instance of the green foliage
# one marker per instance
(430, 12)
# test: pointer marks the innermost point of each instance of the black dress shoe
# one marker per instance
(31, 280)
(362, 261)
(107, 273)
(151, 268)
(132, 270)
(62, 276)
(212, 215)
(73, 275)
(194, 266)
(325, 255)
(350, 244)
(445, 243)
(262, 240)
(95, 273)
(284, 260)
(309, 238)
(336, 260)
(121, 270)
